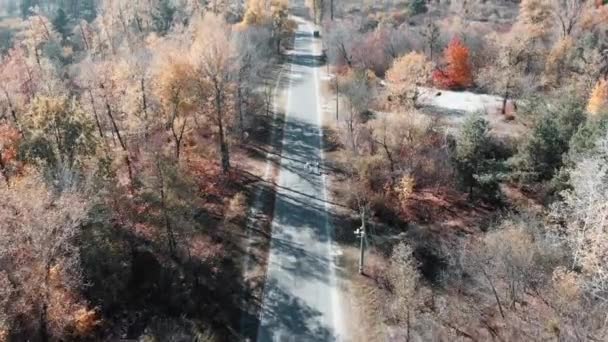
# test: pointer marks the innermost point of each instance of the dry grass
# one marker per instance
(364, 301)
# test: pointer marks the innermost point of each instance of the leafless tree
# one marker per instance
(213, 56)
(39, 258)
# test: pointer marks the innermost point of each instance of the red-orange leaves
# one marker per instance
(457, 72)
(9, 141)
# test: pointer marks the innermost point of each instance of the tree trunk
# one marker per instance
(494, 292)
(177, 136)
(239, 103)
(389, 156)
(407, 338)
(97, 122)
(84, 37)
(43, 318)
(337, 97)
(225, 154)
(163, 203)
(3, 169)
(224, 149)
(144, 101)
(121, 141)
(11, 107)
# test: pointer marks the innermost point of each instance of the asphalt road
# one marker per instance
(301, 301)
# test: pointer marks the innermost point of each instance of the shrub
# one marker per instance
(237, 207)
(474, 157)
(417, 7)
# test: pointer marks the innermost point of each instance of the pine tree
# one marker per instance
(472, 154)
(417, 7)
(60, 23)
(26, 6)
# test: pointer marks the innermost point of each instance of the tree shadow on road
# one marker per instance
(286, 313)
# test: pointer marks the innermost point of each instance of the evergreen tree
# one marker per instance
(417, 7)
(60, 23)
(541, 152)
(164, 17)
(473, 156)
(26, 5)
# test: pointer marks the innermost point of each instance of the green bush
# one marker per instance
(540, 154)
(474, 155)
(417, 7)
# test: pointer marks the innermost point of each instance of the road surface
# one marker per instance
(300, 301)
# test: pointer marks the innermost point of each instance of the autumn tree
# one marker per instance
(536, 16)
(132, 73)
(431, 35)
(582, 213)
(213, 57)
(513, 256)
(59, 134)
(257, 13)
(457, 71)
(40, 259)
(282, 26)
(598, 100)
(506, 75)
(560, 62)
(9, 144)
(341, 38)
(38, 36)
(406, 76)
(16, 82)
(252, 57)
(357, 88)
(568, 14)
(174, 89)
(404, 278)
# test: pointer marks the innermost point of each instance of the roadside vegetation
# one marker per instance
(127, 138)
(491, 228)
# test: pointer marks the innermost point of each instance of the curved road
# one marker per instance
(300, 301)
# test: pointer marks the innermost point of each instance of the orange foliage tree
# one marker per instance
(598, 101)
(457, 73)
(9, 141)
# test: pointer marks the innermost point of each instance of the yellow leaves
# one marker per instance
(566, 285)
(173, 82)
(236, 208)
(598, 100)
(560, 49)
(536, 16)
(38, 30)
(85, 321)
(556, 60)
(44, 110)
(411, 68)
(263, 12)
(407, 74)
(593, 17)
(257, 13)
(405, 188)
